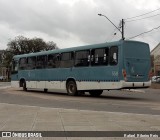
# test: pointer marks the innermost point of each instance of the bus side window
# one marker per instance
(22, 63)
(67, 60)
(51, 63)
(31, 62)
(53, 60)
(41, 62)
(82, 58)
(113, 55)
(99, 57)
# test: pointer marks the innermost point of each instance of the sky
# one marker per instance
(71, 23)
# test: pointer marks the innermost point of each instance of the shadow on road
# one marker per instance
(107, 96)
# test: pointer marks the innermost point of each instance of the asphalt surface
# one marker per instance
(144, 102)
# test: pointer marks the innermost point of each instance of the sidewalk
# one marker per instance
(27, 118)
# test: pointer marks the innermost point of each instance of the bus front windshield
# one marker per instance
(14, 66)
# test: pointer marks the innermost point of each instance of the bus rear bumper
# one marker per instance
(133, 85)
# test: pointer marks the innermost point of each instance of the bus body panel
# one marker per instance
(136, 61)
(137, 67)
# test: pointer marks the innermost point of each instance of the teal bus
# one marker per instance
(93, 68)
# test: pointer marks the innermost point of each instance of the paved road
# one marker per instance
(146, 102)
(4, 84)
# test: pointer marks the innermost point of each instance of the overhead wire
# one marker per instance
(144, 33)
(143, 18)
(143, 14)
(135, 18)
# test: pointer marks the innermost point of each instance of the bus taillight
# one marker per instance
(124, 74)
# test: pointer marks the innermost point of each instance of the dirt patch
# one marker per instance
(155, 85)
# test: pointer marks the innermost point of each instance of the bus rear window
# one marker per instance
(136, 50)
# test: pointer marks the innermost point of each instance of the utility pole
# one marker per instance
(122, 22)
(123, 29)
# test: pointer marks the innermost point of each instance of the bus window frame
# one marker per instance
(25, 67)
(33, 67)
(70, 61)
(113, 63)
(44, 63)
(93, 57)
(88, 58)
(57, 60)
(15, 71)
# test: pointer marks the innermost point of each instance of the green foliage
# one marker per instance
(23, 45)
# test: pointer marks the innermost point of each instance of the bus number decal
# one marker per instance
(114, 73)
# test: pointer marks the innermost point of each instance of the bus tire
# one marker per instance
(72, 88)
(95, 93)
(45, 90)
(24, 86)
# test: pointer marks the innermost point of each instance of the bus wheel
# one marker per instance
(24, 86)
(71, 88)
(95, 93)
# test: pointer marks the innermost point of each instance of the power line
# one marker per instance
(143, 18)
(143, 14)
(144, 32)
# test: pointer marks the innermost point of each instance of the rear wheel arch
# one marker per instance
(21, 81)
(70, 79)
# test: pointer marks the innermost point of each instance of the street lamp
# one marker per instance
(122, 32)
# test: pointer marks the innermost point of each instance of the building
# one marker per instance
(155, 54)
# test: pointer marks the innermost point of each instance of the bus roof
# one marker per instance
(74, 48)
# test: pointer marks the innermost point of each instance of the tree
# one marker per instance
(22, 45)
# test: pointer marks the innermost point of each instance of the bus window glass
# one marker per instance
(14, 66)
(113, 55)
(41, 62)
(82, 58)
(31, 62)
(67, 60)
(22, 63)
(99, 57)
(53, 61)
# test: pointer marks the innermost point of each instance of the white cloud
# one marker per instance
(6, 34)
(75, 22)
